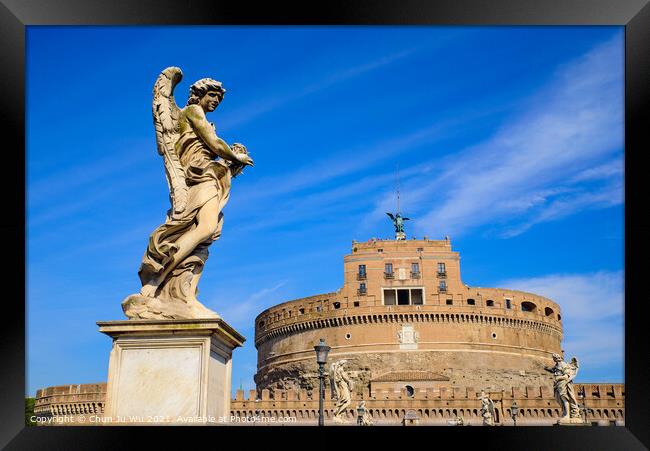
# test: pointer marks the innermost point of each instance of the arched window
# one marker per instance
(548, 311)
(489, 303)
(527, 306)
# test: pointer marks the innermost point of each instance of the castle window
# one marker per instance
(362, 272)
(389, 297)
(548, 311)
(416, 297)
(471, 302)
(415, 270)
(441, 269)
(450, 302)
(442, 286)
(337, 305)
(348, 336)
(420, 249)
(528, 306)
(508, 303)
(319, 308)
(559, 318)
(356, 303)
(489, 303)
(410, 391)
(494, 335)
(388, 269)
(403, 296)
(380, 250)
(301, 310)
(362, 289)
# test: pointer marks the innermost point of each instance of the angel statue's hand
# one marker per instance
(244, 159)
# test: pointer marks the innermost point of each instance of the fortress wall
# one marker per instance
(605, 404)
(70, 401)
(536, 404)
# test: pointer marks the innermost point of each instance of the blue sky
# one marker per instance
(508, 139)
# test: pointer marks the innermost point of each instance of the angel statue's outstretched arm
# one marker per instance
(204, 130)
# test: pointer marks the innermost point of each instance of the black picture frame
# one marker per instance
(634, 15)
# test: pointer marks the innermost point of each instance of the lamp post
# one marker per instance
(514, 411)
(321, 358)
(584, 407)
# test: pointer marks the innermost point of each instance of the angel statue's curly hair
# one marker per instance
(202, 87)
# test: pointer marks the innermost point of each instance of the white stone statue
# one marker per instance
(200, 168)
(341, 385)
(563, 375)
(487, 410)
(365, 419)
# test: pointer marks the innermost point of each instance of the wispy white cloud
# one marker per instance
(241, 313)
(265, 105)
(539, 166)
(78, 177)
(592, 308)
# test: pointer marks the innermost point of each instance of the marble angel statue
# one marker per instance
(487, 410)
(563, 375)
(341, 385)
(199, 167)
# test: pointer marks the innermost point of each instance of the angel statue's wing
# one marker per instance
(333, 387)
(406, 219)
(574, 368)
(491, 407)
(391, 216)
(165, 119)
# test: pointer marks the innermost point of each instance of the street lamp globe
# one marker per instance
(321, 352)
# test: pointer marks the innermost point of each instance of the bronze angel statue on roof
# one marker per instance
(398, 223)
(199, 167)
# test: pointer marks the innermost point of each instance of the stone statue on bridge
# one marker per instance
(341, 385)
(563, 375)
(199, 167)
(487, 410)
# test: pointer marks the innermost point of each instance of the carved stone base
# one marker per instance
(400, 236)
(137, 306)
(570, 422)
(339, 420)
(169, 372)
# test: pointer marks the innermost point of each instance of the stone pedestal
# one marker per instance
(169, 371)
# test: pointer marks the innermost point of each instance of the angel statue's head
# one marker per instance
(557, 357)
(207, 93)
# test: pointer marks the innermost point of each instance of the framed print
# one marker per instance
(256, 218)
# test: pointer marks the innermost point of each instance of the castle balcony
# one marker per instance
(389, 275)
(362, 291)
(416, 275)
(442, 274)
(362, 276)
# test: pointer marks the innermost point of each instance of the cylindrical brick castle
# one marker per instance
(404, 316)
